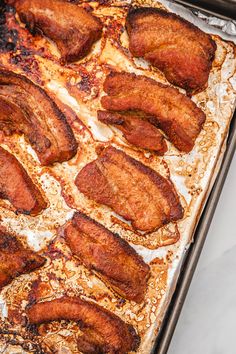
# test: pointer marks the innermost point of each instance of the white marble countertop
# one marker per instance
(208, 320)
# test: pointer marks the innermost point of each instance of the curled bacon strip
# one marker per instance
(103, 332)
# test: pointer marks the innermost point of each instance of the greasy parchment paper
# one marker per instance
(77, 89)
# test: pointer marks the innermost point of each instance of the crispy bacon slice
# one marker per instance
(131, 189)
(175, 46)
(109, 255)
(26, 108)
(15, 259)
(136, 129)
(73, 29)
(103, 332)
(174, 113)
(17, 187)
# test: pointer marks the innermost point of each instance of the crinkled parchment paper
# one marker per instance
(77, 89)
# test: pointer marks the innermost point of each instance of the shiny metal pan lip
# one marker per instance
(225, 9)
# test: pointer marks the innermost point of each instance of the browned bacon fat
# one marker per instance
(176, 114)
(175, 46)
(15, 259)
(109, 255)
(103, 332)
(73, 29)
(17, 187)
(26, 108)
(131, 189)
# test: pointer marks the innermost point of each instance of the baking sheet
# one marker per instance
(193, 175)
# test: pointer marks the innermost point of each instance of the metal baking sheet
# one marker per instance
(162, 249)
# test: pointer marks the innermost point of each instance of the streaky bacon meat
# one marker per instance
(133, 190)
(179, 49)
(17, 187)
(109, 255)
(103, 331)
(73, 29)
(174, 113)
(26, 108)
(15, 259)
(136, 129)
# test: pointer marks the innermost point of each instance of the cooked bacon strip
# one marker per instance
(175, 46)
(73, 29)
(103, 332)
(106, 253)
(173, 112)
(131, 189)
(15, 259)
(26, 108)
(17, 187)
(136, 130)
